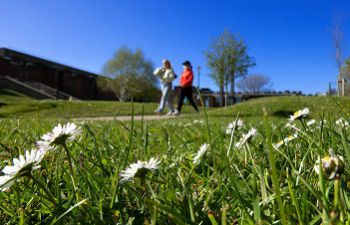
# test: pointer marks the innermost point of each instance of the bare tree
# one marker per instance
(254, 83)
(338, 35)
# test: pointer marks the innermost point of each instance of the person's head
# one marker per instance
(187, 65)
(166, 63)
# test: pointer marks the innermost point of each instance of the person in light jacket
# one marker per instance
(166, 75)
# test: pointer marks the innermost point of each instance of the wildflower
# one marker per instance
(298, 114)
(200, 122)
(311, 122)
(251, 133)
(286, 140)
(332, 165)
(321, 124)
(293, 126)
(195, 122)
(342, 123)
(22, 166)
(202, 150)
(232, 126)
(59, 135)
(139, 169)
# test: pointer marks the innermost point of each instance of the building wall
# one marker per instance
(77, 84)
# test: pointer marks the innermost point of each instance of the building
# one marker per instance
(28, 73)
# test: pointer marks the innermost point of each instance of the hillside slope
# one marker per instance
(283, 107)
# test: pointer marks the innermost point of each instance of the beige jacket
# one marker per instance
(165, 75)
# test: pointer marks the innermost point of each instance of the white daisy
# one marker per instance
(293, 126)
(200, 122)
(298, 114)
(59, 135)
(285, 140)
(311, 122)
(252, 132)
(232, 126)
(202, 150)
(139, 169)
(21, 167)
(332, 165)
(342, 123)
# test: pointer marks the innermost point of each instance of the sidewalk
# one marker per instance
(126, 118)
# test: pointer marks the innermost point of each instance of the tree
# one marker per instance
(227, 59)
(345, 70)
(131, 76)
(337, 35)
(255, 83)
(345, 74)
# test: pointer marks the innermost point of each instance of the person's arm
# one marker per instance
(158, 71)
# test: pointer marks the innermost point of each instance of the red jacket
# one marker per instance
(186, 78)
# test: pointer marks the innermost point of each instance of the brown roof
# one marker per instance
(12, 54)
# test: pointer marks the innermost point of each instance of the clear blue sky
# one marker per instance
(289, 39)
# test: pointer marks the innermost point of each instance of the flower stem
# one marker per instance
(336, 192)
(49, 196)
(69, 157)
(22, 213)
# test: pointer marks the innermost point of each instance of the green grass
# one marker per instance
(254, 183)
(15, 105)
(283, 107)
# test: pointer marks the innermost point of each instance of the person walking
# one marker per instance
(186, 89)
(166, 75)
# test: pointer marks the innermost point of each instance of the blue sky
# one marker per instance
(289, 39)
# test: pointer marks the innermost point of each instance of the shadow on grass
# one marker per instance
(20, 110)
(8, 92)
(3, 104)
(283, 113)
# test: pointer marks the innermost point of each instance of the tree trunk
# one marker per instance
(222, 100)
(232, 84)
(232, 88)
(232, 80)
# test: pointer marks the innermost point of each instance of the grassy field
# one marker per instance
(209, 172)
(14, 105)
(283, 107)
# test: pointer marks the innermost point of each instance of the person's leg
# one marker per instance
(181, 100)
(162, 100)
(189, 95)
(169, 98)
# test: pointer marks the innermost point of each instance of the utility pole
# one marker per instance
(199, 71)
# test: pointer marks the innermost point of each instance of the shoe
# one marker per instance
(157, 112)
(169, 113)
(175, 113)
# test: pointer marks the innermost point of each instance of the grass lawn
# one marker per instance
(15, 105)
(282, 107)
(202, 172)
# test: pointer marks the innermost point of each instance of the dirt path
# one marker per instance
(126, 118)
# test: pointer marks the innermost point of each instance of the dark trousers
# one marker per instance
(186, 92)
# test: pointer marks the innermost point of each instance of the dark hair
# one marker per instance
(187, 63)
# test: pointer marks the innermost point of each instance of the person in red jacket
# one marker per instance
(186, 86)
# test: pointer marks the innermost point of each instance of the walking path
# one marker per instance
(126, 118)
